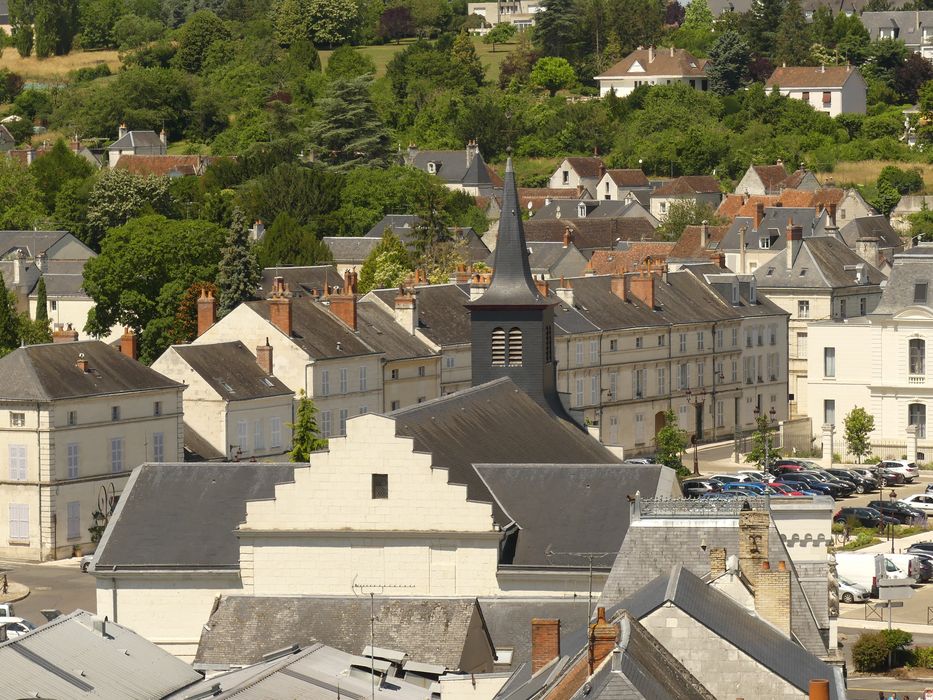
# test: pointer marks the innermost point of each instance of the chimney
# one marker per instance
(63, 334)
(867, 249)
(207, 311)
(603, 638)
(568, 237)
(81, 363)
(704, 234)
(819, 689)
(163, 137)
(258, 231)
(742, 232)
(642, 288)
(42, 260)
(772, 596)
(672, 52)
(471, 150)
(280, 306)
(717, 561)
(753, 543)
(343, 305)
(543, 286)
(545, 642)
(565, 292)
(406, 310)
(759, 214)
(794, 241)
(264, 357)
(129, 343)
(832, 214)
(478, 285)
(618, 284)
(650, 54)
(122, 131)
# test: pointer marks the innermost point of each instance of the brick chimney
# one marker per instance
(618, 284)
(641, 287)
(64, 334)
(603, 637)
(772, 596)
(704, 234)
(819, 689)
(479, 283)
(122, 131)
(280, 306)
(543, 286)
(717, 561)
(568, 237)
(759, 214)
(545, 642)
(794, 241)
(753, 543)
(264, 357)
(867, 249)
(343, 305)
(129, 343)
(81, 362)
(207, 311)
(831, 208)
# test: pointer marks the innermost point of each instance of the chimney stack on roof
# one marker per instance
(759, 214)
(753, 543)
(545, 642)
(772, 596)
(651, 54)
(64, 334)
(472, 149)
(280, 306)
(831, 210)
(343, 305)
(704, 234)
(743, 230)
(264, 357)
(406, 310)
(642, 287)
(565, 291)
(81, 363)
(543, 286)
(717, 561)
(163, 137)
(122, 131)
(207, 310)
(568, 236)
(603, 638)
(794, 241)
(129, 343)
(819, 689)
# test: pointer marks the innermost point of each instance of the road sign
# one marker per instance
(895, 593)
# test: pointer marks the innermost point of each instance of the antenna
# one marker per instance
(360, 589)
(550, 554)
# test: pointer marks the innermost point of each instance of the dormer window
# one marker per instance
(432, 168)
(753, 292)
(735, 294)
(581, 210)
(764, 242)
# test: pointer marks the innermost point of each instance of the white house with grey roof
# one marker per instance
(136, 143)
(913, 27)
(76, 418)
(464, 170)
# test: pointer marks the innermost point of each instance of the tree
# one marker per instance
(20, 201)
(21, 13)
(118, 196)
(763, 20)
(9, 335)
(680, 215)
(762, 443)
(552, 74)
(500, 34)
(858, 424)
(97, 21)
(698, 17)
(306, 437)
(53, 169)
(307, 194)
(42, 302)
(464, 58)
(885, 198)
(555, 24)
(728, 63)
(911, 76)
(324, 22)
(396, 23)
(238, 273)
(133, 31)
(670, 444)
(386, 266)
(346, 63)
(793, 41)
(202, 30)
(348, 132)
(286, 242)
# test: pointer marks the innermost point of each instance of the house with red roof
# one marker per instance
(832, 89)
(653, 66)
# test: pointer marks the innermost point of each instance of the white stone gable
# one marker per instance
(636, 68)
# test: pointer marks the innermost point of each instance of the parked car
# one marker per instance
(852, 592)
(863, 484)
(807, 481)
(784, 465)
(897, 510)
(865, 517)
(860, 568)
(916, 567)
(761, 477)
(639, 460)
(920, 501)
(694, 488)
(785, 490)
(6, 610)
(908, 469)
(920, 547)
(752, 487)
(847, 488)
(836, 488)
(731, 478)
(885, 477)
(16, 626)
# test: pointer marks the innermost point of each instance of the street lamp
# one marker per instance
(766, 436)
(893, 497)
(695, 400)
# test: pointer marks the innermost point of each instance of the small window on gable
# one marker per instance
(770, 271)
(380, 486)
(803, 272)
(920, 292)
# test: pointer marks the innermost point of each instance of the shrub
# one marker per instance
(921, 657)
(870, 652)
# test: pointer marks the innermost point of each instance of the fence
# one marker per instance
(797, 437)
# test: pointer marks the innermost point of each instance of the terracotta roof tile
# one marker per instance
(688, 246)
(664, 62)
(688, 184)
(770, 175)
(161, 166)
(628, 177)
(810, 76)
(589, 166)
(614, 262)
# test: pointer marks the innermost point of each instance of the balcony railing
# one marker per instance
(916, 379)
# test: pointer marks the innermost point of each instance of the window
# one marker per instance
(661, 380)
(17, 420)
(73, 460)
(74, 519)
(548, 343)
(801, 345)
(395, 405)
(421, 368)
(579, 392)
(114, 413)
(275, 428)
(116, 454)
(515, 347)
(862, 306)
(158, 446)
(613, 430)
(700, 341)
(613, 386)
(380, 486)
(19, 521)
(720, 414)
(578, 348)
(325, 421)
(735, 371)
(432, 168)
(701, 371)
(157, 408)
(450, 361)
(684, 376)
(640, 378)
(735, 337)
(17, 462)
(241, 433)
(683, 342)
(325, 382)
(917, 353)
(829, 362)
(640, 428)
(920, 292)
(364, 410)
(72, 417)
(344, 383)
(827, 98)
(594, 389)
(805, 96)
(498, 347)
(614, 344)
(761, 335)
(394, 373)
(748, 339)
(594, 352)
(719, 338)
(917, 415)
(803, 308)
(342, 421)
(764, 242)
(565, 177)
(772, 335)
(842, 308)
(363, 378)
(258, 437)
(829, 411)
(53, 305)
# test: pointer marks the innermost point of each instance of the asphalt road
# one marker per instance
(58, 585)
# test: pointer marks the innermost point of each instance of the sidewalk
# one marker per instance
(900, 544)
(856, 623)
(15, 592)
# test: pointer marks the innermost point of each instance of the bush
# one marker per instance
(921, 657)
(870, 652)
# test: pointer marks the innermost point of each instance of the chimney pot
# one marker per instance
(61, 334)
(129, 343)
(782, 566)
(207, 310)
(264, 357)
(280, 306)
(819, 689)
(81, 364)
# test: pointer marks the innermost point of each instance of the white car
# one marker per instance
(732, 478)
(852, 592)
(920, 501)
(760, 477)
(906, 469)
(16, 626)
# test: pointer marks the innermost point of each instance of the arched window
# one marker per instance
(498, 347)
(917, 352)
(515, 347)
(917, 415)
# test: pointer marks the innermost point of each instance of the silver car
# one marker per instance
(851, 592)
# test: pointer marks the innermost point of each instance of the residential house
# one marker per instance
(520, 13)
(909, 204)
(579, 172)
(848, 7)
(81, 654)
(5, 17)
(162, 165)
(625, 184)
(698, 244)
(913, 27)
(301, 280)
(879, 363)
(873, 239)
(233, 402)
(590, 234)
(459, 170)
(628, 257)
(653, 66)
(834, 90)
(773, 180)
(136, 143)
(595, 208)
(687, 189)
(531, 199)
(77, 417)
(812, 279)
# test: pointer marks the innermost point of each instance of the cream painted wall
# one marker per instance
(557, 178)
(74, 310)
(660, 206)
(411, 387)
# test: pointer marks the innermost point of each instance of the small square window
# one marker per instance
(920, 293)
(380, 486)
(53, 305)
(114, 413)
(396, 405)
(394, 374)
(17, 420)
(421, 370)
(614, 345)
(72, 417)
(157, 408)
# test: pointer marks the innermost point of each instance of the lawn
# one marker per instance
(56, 67)
(865, 172)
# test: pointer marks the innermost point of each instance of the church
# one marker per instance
(491, 491)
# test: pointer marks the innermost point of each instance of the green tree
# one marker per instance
(885, 198)
(858, 424)
(324, 22)
(307, 194)
(42, 302)
(287, 242)
(306, 436)
(396, 23)
(53, 169)
(21, 20)
(117, 196)
(202, 30)
(238, 273)
(762, 443)
(346, 63)
(555, 26)
(140, 276)
(20, 201)
(386, 266)
(680, 215)
(9, 334)
(500, 34)
(793, 41)
(698, 17)
(763, 20)
(97, 20)
(728, 63)
(133, 31)
(464, 58)
(349, 133)
(670, 444)
(552, 74)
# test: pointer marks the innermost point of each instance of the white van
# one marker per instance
(861, 568)
(907, 563)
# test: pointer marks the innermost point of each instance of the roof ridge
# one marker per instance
(447, 397)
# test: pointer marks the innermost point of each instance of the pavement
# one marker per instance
(51, 585)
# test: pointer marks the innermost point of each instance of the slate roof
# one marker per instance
(351, 249)
(587, 166)
(5, 136)
(430, 630)
(667, 62)
(67, 658)
(442, 316)
(733, 623)
(137, 139)
(398, 223)
(687, 185)
(876, 226)
(820, 263)
(301, 280)
(161, 166)
(628, 177)
(590, 234)
(318, 332)
(231, 370)
(515, 429)
(774, 226)
(31, 242)
(905, 21)
(914, 265)
(403, 226)
(688, 247)
(811, 76)
(562, 509)
(379, 329)
(49, 372)
(452, 167)
(629, 257)
(197, 506)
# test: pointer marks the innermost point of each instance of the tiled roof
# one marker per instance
(673, 62)
(810, 76)
(628, 256)
(688, 184)
(688, 247)
(160, 166)
(539, 196)
(442, 317)
(628, 177)
(589, 234)
(770, 175)
(821, 262)
(587, 166)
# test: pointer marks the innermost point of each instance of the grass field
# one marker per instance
(56, 67)
(865, 172)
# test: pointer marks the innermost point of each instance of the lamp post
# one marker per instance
(695, 400)
(766, 436)
(893, 497)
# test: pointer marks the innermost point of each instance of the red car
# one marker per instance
(784, 489)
